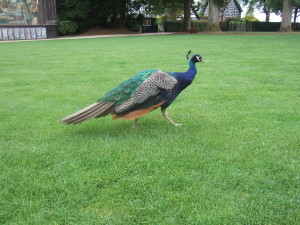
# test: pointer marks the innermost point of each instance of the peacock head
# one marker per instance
(195, 58)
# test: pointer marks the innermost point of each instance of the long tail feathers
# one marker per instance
(97, 109)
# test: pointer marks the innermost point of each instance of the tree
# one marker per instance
(267, 11)
(93, 13)
(264, 5)
(76, 11)
(283, 7)
(187, 15)
(213, 24)
(296, 11)
(170, 7)
(197, 7)
(287, 12)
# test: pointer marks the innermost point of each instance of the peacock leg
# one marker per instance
(165, 114)
(134, 124)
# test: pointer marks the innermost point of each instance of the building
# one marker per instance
(30, 19)
(149, 24)
(232, 9)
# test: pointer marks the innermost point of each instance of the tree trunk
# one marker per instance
(286, 23)
(122, 20)
(187, 16)
(122, 10)
(267, 12)
(267, 17)
(295, 14)
(213, 24)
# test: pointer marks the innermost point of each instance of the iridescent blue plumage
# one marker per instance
(184, 80)
(139, 95)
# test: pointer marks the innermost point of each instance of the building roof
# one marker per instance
(226, 3)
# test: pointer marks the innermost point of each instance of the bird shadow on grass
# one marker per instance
(119, 129)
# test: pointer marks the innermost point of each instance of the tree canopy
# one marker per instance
(91, 13)
(119, 13)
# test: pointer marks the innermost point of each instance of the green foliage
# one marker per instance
(133, 25)
(110, 13)
(134, 22)
(232, 19)
(67, 27)
(223, 26)
(160, 20)
(200, 25)
(140, 18)
(235, 160)
(197, 8)
(172, 8)
(91, 13)
(250, 18)
(77, 11)
(176, 25)
(275, 6)
(173, 25)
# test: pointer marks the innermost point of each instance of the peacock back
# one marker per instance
(125, 90)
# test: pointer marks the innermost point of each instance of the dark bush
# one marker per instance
(173, 25)
(232, 19)
(199, 24)
(223, 26)
(176, 25)
(134, 23)
(67, 27)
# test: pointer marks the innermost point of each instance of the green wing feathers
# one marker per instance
(125, 90)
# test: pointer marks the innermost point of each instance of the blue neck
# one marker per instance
(191, 72)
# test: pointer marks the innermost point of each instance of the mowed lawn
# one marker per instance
(235, 160)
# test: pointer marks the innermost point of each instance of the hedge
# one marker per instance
(177, 25)
(67, 27)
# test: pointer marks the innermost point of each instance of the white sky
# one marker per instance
(273, 17)
(262, 17)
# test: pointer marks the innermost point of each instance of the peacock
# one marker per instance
(139, 95)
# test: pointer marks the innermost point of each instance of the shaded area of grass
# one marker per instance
(234, 161)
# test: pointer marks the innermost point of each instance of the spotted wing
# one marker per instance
(147, 94)
(125, 90)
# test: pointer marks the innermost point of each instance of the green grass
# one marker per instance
(235, 160)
